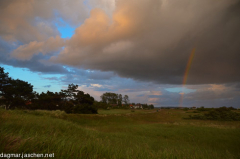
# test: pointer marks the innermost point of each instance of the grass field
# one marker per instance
(118, 134)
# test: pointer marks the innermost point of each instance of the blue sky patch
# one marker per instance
(65, 29)
(180, 89)
(34, 78)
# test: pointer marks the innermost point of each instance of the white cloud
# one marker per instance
(96, 85)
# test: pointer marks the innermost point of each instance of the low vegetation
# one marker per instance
(222, 113)
(118, 133)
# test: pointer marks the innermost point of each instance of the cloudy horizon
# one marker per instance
(140, 48)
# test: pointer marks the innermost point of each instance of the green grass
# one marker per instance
(124, 111)
(118, 134)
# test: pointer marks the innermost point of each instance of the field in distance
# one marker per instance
(118, 133)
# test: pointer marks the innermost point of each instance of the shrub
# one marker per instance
(202, 108)
(195, 111)
(84, 109)
(68, 107)
(222, 113)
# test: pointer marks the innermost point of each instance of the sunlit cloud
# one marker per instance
(96, 85)
(25, 52)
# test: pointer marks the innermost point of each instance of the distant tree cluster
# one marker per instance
(146, 106)
(113, 98)
(19, 94)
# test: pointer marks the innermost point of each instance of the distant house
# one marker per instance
(137, 106)
(193, 107)
(114, 105)
(28, 103)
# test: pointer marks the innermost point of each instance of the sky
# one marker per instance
(161, 52)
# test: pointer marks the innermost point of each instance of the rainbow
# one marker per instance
(190, 59)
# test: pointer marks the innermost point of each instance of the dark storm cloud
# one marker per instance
(100, 75)
(152, 41)
(34, 65)
(143, 40)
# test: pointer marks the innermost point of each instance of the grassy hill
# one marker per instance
(118, 134)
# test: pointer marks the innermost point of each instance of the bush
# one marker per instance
(195, 111)
(101, 105)
(202, 109)
(222, 113)
(68, 107)
(84, 109)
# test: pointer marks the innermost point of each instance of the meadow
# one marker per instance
(118, 133)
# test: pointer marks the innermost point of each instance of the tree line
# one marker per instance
(16, 93)
(20, 94)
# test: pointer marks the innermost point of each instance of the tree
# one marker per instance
(16, 92)
(145, 106)
(70, 92)
(67, 97)
(112, 98)
(103, 98)
(20, 92)
(125, 99)
(151, 106)
(82, 98)
(4, 80)
(109, 98)
(49, 101)
(120, 100)
(76, 101)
